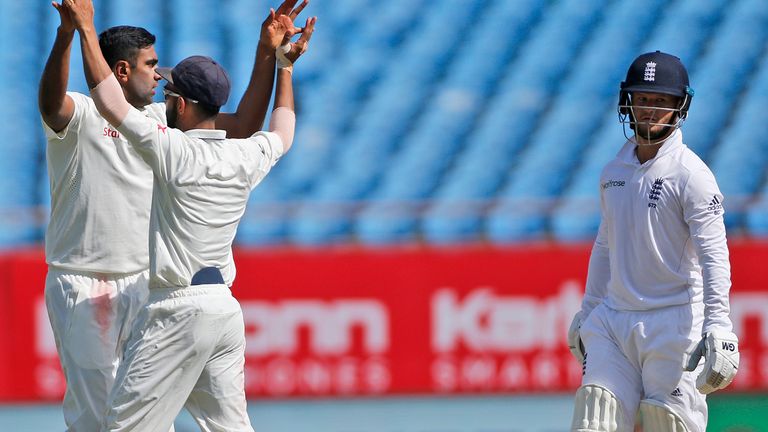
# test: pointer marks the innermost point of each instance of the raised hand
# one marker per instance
(287, 8)
(270, 37)
(300, 46)
(81, 12)
(271, 32)
(67, 24)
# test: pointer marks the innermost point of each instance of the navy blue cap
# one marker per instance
(657, 72)
(199, 78)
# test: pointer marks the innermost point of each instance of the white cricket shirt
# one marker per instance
(202, 181)
(662, 238)
(100, 194)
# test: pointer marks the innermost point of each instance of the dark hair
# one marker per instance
(123, 43)
(208, 110)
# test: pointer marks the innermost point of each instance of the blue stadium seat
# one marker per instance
(445, 122)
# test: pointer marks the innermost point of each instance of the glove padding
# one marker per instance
(574, 338)
(721, 361)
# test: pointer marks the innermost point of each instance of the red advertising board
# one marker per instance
(369, 322)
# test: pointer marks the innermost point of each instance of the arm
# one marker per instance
(283, 118)
(252, 108)
(94, 65)
(145, 135)
(599, 272)
(55, 106)
(598, 275)
(107, 94)
(703, 212)
(707, 230)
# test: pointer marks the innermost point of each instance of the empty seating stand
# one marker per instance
(443, 122)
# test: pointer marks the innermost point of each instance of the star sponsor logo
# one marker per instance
(110, 133)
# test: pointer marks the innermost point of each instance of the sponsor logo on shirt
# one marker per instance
(111, 133)
(613, 183)
(676, 392)
(715, 206)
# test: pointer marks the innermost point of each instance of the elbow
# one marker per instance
(110, 101)
(283, 123)
(48, 106)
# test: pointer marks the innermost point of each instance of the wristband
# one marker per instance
(282, 61)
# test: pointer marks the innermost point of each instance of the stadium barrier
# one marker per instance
(415, 320)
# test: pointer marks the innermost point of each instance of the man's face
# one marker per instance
(653, 112)
(143, 79)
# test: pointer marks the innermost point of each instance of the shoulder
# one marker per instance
(85, 120)
(80, 98)
(84, 105)
(613, 167)
(268, 143)
(156, 111)
(690, 164)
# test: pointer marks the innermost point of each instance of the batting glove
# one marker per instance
(721, 361)
(574, 338)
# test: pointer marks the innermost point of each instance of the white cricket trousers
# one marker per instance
(187, 348)
(640, 355)
(91, 315)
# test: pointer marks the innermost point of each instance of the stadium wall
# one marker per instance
(349, 321)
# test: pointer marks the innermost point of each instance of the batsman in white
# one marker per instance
(97, 240)
(187, 344)
(656, 298)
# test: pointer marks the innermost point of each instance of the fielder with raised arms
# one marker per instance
(96, 245)
(656, 299)
(187, 345)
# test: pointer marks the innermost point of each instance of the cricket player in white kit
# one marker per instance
(656, 299)
(97, 239)
(187, 344)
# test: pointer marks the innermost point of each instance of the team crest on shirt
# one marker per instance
(655, 192)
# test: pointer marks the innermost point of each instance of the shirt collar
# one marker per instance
(215, 134)
(627, 153)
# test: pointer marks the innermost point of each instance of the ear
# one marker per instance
(122, 71)
(181, 106)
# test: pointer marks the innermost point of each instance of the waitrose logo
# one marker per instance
(613, 183)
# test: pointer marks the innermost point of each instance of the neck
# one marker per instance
(204, 124)
(194, 123)
(647, 152)
(647, 149)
